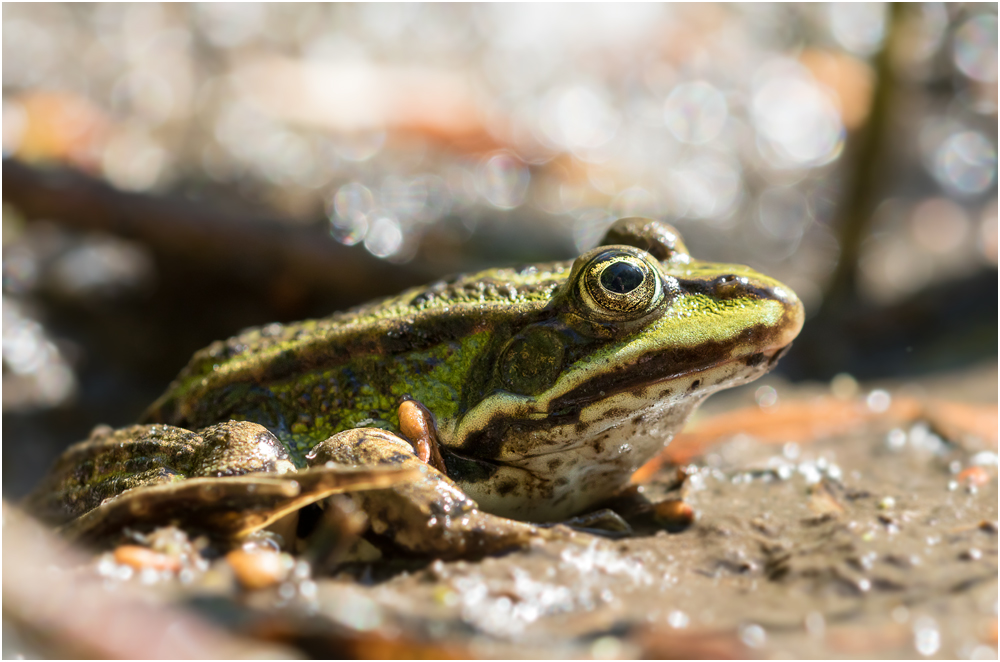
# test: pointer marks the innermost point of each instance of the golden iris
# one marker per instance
(620, 285)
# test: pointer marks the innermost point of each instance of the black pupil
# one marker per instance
(621, 277)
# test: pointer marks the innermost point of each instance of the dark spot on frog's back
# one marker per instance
(285, 363)
(398, 458)
(694, 385)
(555, 463)
(755, 359)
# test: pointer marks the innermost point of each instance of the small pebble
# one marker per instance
(678, 619)
(258, 569)
(988, 631)
(142, 557)
(926, 636)
(754, 636)
(844, 386)
(815, 624)
(972, 554)
(974, 476)
(896, 439)
(674, 513)
(606, 648)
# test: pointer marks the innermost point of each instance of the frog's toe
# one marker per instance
(605, 521)
(428, 515)
(417, 424)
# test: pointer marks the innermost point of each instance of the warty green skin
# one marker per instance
(542, 411)
(309, 380)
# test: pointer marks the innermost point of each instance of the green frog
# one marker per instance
(512, 396)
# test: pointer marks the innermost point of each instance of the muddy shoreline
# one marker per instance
(878, 542)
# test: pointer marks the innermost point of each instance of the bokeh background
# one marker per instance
(175, 173)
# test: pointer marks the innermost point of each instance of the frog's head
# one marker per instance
(636, 337)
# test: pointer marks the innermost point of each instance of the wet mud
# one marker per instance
(877, 542)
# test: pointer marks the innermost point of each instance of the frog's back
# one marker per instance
(359, 362)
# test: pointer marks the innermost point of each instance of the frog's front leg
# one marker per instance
(427, 515)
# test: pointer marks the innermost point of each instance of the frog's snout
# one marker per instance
(785, 295)
(756, 286)
(794, 312)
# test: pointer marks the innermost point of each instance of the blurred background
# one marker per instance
(175, 173)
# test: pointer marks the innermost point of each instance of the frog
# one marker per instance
(516, 398)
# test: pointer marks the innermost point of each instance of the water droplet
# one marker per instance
(503, 180)
(879, 400)
(975, 48)
(766, 397)
(966, 162)
(350, 204)
(695, 112)
(578, 118)
(858, 26)
(385, 236)
(797, 124)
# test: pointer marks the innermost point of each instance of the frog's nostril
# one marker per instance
(730, 285)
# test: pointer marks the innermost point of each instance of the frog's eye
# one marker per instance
(618, 284)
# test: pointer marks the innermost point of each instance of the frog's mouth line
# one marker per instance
(564, 410)
(665, 366)
(768, 357)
